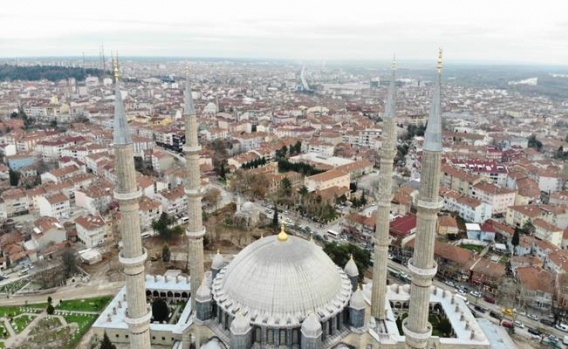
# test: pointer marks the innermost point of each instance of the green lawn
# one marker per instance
(3, 331)
(2, 344)
(21, 322)
(87, 304)
(84, 322)
(474, 248)
(9, 311)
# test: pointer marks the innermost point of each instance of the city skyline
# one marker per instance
(476, 32)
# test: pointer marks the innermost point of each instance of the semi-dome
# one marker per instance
(218, 261)
(279, 280)
(351, 268)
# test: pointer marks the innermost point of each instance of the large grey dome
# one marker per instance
(279, 282)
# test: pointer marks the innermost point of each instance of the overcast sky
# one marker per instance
(521, 31)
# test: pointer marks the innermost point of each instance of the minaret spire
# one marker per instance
(382, 237)
(133, 254)
(422, 266)
(195, 229)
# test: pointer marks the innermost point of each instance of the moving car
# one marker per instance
(508, 311)
(450, 283)
(519, 324)
(507, 324)
(562, 327)
(534, 331)
(495, 315)
(489, 299)
(532, 316)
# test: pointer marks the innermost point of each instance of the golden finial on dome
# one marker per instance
(282, 236)
(439, 60)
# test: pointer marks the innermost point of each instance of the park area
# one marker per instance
(30, 326)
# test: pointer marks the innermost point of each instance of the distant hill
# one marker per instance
(39, 72)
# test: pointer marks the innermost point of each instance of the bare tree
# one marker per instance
(212, 197)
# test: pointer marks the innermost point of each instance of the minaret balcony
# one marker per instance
(133, 262)
(422, 272)
(418, 336)
(128, 196)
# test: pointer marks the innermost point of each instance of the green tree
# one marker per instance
(445, 327)
(222, 172)
(49, 300)
(162, 226)
(166, 253)
(160, 311)
(14, 177)
(340, 254)
(286, 186)
(50, 309)
(275, 217)
(528, 228)
(534, 142)
(363, 199)
(516, 239)
(106, 343)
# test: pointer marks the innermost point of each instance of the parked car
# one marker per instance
(489, 299)
(532, 316)
(450, 283)
(475, 293)
(547, 322)
(507, 324)
(562, 327)
(495, 315)
(480, 309)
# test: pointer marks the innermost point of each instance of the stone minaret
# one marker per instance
(382, 236)
(195, 229)
(133, 255)
(422, 266)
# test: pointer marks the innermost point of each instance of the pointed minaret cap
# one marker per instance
(433, 134)
(391, 102)
(121, 133)
(188, 106)
(218, 261)
(351, 268)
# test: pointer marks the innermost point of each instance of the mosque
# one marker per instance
(283, 291)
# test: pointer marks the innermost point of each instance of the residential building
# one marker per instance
(497, 197)
(548, 232)
(92, 230)
(56, 205)
(48, 230)
(332, 178)
(537, 288)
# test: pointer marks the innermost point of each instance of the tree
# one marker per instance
(222, 171)
(69, 261)
(14, 177)
(534, 143)
(166, 253)
(275, 217)
(160, 311)
(363, 199)
(162, 226)
(106, 343)
(516, 239)
(50, 309)
(212, 197)
(49, 300)
(445, 326)
(528, 228)
(340, 254)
